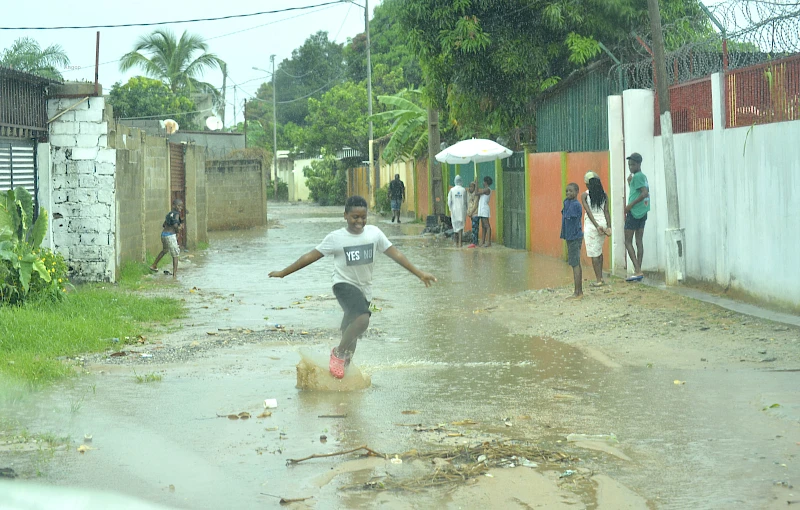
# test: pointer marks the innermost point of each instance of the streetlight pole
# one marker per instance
(369, 105)
(274, 128)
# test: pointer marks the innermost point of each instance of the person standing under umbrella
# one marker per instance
(483, 211)
(457, 202)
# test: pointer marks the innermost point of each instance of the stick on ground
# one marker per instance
(322, 455)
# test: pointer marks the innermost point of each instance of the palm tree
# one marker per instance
(172, 61)
(409, 125)
(26, 55)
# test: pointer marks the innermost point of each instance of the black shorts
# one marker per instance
(574, 252)
(352, 301)
(632, 223)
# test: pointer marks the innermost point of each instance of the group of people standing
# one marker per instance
(470, 203)
(593, 205)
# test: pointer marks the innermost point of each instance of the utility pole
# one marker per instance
(224, 81)
(371, 169)
(245, 123)
(675, 235)
(433, 165)
(234, 107)
(274, 128)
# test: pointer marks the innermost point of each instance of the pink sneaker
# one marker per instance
(336, 365)
(473, 245)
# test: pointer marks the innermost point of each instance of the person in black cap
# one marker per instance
(636, 214)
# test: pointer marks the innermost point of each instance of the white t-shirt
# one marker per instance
(354, 255)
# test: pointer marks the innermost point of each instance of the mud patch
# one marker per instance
(313, 374)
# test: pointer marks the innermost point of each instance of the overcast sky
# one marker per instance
(241, 42)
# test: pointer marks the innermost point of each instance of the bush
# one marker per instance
(27, 272)
(283, 192)
(327, 181)
(382, 202)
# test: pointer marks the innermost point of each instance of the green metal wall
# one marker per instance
(575, 119)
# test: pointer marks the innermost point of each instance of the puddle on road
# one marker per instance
(313, 374)
(434, 353)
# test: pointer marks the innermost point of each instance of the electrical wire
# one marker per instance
(159, 23)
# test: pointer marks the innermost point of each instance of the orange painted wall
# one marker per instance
(578, 163)
(546, 195)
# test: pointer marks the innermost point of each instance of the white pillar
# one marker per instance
(721, 272)
(616, 183)
(44, 188)
(639, 121)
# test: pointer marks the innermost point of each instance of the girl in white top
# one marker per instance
(596, 221)
(483, 210)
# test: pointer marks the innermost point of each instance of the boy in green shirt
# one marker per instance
(636, 213)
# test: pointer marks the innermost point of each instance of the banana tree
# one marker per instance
(20, 239)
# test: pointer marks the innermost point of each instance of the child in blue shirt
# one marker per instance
(572, 233)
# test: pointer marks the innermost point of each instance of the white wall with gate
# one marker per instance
(739, 196)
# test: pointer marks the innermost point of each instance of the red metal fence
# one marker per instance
(690, 105)
(764, 93)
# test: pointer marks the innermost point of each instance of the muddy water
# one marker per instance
(432, 351)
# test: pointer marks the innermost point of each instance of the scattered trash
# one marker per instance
(410, 412)
(323, 438)
(171, 488)
(773, 406)
(87, 438)
(83, 448)
(567, 473)
(678, 383)
(527, 463)
(244, 415)
(507, 422)
(265, 414)
(146, 355)
(270, 403)
(463, 422)
(488, 475)
(481, 458)
(115, 340)
(119, 353)
(194, 344)
(396, 460)
(769, 360)
(211, 333)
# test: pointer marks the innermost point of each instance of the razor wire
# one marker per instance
(754, 31)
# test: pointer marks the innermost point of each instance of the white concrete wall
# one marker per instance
(298, 189)
(738, 192)
(82, 188)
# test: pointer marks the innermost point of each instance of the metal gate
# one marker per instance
(177, 184)
(514, 230)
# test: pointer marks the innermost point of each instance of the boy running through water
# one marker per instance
(353, 250)
(169, 237)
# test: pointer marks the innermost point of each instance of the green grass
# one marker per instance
(147, 378)
(33, 336)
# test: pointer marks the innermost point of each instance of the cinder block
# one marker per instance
(88, 115)
(87, 181)
(85, 196)
(107, 156)
(93, 128)
(105, 181)
(94, 240)
(63, 141)
(60, 196)
(106, 196)
(105, 168)
(91, 141)
(103, 142)
(85, 167)
(63, 128)
(84, 153)
(94, 210)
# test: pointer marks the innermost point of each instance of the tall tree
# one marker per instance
(176, 62)
(146, 97)
(27, 55)
(484, 61)
(409, 128)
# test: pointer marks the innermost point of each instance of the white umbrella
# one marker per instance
(476, 150)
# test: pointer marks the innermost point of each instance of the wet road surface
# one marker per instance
(704, 445)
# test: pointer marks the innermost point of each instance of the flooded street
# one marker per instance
(690, 433)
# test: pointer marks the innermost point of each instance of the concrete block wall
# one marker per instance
(83, 188)
(131, 237)
(196, 200)
(236, 192)
(156, 191)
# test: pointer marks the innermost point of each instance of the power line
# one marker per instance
(158, 23)
(165, 115)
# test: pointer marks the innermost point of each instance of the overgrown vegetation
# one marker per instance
(35, 337)
(382, 202)
(28, 272)
(327, 181)
(282, 195)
